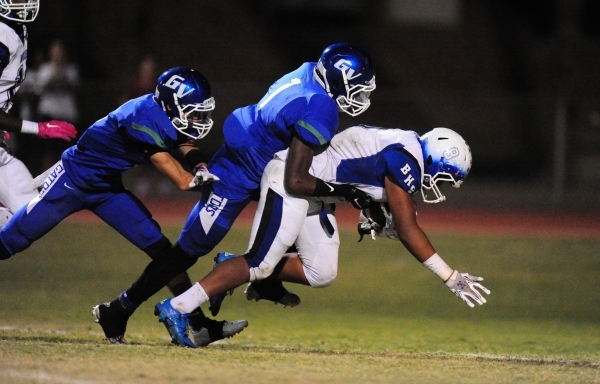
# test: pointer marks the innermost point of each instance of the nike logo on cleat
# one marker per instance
(330, 187)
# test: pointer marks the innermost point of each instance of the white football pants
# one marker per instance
(299, 224)
(16, 184)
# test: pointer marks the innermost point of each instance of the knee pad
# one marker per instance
(258, 271)
(322, 278)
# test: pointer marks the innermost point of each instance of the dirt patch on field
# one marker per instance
(431, 219)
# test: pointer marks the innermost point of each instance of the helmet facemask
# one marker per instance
(430, 183)
(356, 100)
(21, 12)
(198, 115)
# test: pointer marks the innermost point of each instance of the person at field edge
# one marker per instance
(299, 112)
(89, 176)
(391, 165)
(16, 183)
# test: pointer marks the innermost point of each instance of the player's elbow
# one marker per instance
(183, 185)
(294, 186)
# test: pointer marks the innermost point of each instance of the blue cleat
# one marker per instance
(215, 302)
(175, 322)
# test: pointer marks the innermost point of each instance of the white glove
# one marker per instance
(203, 177)
(463, 285)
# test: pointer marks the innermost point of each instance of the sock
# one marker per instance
(126, 303)
(190, 299)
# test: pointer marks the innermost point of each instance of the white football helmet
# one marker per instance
(23, 11)
(447, 157)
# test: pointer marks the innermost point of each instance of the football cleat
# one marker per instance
(175, 322)
(216, 301)
(112, 320)
(213, 330)
(272, 290)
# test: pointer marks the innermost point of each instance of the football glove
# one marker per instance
(377, 221)
(358, 198)
(202, 176)
(465, 287)
(56, 129)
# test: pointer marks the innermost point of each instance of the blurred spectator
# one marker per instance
(145, 80)
(56, 83)
(28, 97)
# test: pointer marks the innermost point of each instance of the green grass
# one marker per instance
(385, 319)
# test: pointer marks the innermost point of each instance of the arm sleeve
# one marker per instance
(403, 169)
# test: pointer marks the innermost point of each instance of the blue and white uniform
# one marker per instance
(252, 136)
(361, 156)
(89, 177)
(16, 183)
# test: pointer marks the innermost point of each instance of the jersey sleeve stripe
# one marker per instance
(159, 142)
(313, 131)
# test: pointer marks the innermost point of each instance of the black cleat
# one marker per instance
(113, 320)
(213, 330)
(272, 290)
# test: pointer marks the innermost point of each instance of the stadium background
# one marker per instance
(518, 79)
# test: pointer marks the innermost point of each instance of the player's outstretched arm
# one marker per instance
(54, 129)
(414, 239)
(171, 168)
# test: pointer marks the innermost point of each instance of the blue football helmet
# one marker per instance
(185, 96)
(23, 11)
(347, 74)
(446, 157)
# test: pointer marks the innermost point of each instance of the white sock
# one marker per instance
(190, 299)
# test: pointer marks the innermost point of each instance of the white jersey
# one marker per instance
(363, 156)
(13, 59)
(15, 65)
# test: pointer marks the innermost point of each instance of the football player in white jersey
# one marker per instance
(391, 165)
(17, 187)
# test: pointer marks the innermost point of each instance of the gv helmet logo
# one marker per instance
(342, 65)
(175, 83)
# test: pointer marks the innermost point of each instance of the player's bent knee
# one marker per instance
(322, 279)
(261, 272)
(158, 248)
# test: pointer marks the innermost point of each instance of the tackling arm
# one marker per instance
(172, 169)
(298, 181)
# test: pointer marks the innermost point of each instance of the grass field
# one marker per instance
(385, 319)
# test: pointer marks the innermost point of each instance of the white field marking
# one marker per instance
(13, 328)
(532, 360)
(42, 377)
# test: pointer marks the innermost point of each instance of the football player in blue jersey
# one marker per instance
(391, 165)
(299, 112)
(16, 184)
(89, 175)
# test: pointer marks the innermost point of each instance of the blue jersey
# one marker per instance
(125, 138)
(253, 134)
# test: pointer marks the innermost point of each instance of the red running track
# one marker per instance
(431, 219)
